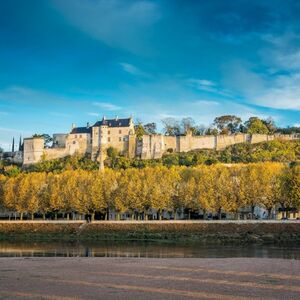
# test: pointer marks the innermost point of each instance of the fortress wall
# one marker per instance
(184, 143)
(152, 146)
(224, 141)
(287, 137)
(54, 153)
(157, 146)
(170, 142)
(203, 142)
(145, 147)
(132, 146)
(257, 138)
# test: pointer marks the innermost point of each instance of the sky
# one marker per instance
(74, 61)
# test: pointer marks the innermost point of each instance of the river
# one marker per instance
(143, 249)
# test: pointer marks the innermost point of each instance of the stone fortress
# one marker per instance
(120, 134)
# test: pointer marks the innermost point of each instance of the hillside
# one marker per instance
(276, 151)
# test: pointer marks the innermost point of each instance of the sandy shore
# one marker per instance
(129, 278)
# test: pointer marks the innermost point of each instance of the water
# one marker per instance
(142, 249)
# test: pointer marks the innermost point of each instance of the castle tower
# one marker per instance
(33, 150)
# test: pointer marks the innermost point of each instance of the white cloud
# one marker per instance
(279, 91)
(206, 102)
(107, 106)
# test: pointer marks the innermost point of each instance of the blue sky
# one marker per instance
(73, 61)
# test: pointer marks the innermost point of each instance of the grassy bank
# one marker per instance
(182, 231)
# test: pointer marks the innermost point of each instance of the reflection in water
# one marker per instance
(142, 249)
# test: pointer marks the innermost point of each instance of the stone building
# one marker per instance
(120, 134)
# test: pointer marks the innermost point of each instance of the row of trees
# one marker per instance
(227, 124)
(216, 188)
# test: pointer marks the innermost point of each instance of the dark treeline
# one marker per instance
(216, 189)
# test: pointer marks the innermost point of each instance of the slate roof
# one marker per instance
(82, 130)
(114, 122)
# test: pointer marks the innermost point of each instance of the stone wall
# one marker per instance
(149, 147)
(54, 153)
(33, 150)
(224, 141)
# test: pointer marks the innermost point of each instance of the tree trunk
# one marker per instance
(32, 216)
(93, 216)
(252, 211)
(189, 215)
(220, 213)
(55, 216)
(269, 213)
(21, 216)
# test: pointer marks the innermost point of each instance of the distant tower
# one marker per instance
(13, 145)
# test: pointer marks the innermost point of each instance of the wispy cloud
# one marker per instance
(131, 69)
(93, 114)
(207, 86)
(206, 103)
(107, 106)
(117, 23)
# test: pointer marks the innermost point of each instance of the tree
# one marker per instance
(290, 188)
(270, 124)
(139, 130)
(171, 126)
(228, 124)
(150, 128)
(188, 124)
(47, 138)
(256, 126)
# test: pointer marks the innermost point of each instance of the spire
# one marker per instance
(13, 145)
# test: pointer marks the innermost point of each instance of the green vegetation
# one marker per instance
(200, 233)
(275, 151)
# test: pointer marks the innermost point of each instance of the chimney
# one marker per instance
(73, 125)
(117, 118)
(87, 125)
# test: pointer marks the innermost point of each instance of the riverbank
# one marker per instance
(221, 232)
(128, 278)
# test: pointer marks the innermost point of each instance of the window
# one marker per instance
(74, 142)
(108, 131)
(108, 139)
(75, 136)
(120, 139)
(120, 131)
(80, 136)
